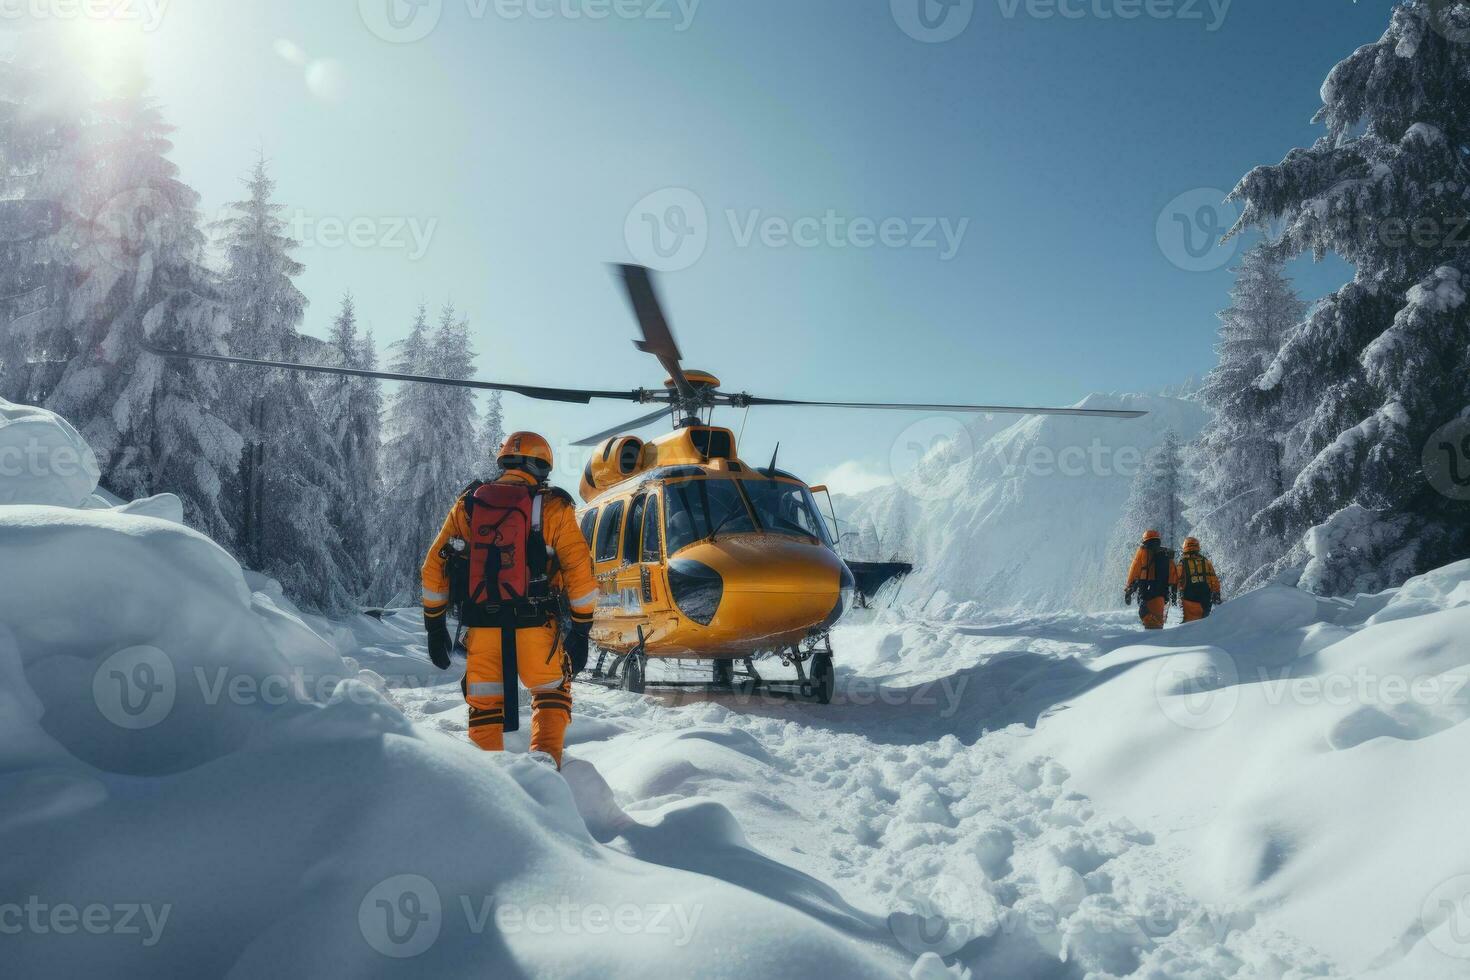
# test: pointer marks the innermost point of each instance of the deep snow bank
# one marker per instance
(43, 460)
(1302, 757)
(193, 782)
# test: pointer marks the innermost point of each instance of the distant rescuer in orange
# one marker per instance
(1195, 583)
(513, 561)
(1150, 579)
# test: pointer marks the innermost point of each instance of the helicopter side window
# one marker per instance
(589, 525)
(650, 529)
(698, 509)
(630, 536)
(607, 532)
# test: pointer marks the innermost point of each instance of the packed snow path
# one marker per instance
(915, 797)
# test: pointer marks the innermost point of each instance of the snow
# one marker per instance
(1442, 292)
(175, 742)
(1270, 793)
(1025, 519)
(43, 460)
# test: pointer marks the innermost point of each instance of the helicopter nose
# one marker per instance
(766, 585)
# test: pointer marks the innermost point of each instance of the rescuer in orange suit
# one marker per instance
(1195, 583)
(1150, 579)
(544, 661)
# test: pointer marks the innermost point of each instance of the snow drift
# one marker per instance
(1301, 756)
(43, 460)
(1025, 520)
(196, 783)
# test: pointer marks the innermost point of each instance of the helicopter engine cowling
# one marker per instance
(612, 462)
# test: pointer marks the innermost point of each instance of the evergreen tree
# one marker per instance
(1381, 365)
(46, 163)
(140, 276)
(1155, 502)
(458, 457)
(291, 471)
(431, 452)
(1237, 460)
(351, 410)
(409, 505)
(492, 430)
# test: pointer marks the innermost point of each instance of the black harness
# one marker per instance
(486, 609)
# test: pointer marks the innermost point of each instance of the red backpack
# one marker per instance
(507, 553)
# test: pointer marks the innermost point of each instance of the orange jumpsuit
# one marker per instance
(544, 673)
(1153, 611)
(1194, 569)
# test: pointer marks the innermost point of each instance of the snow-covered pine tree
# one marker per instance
(291, 471)
(459, 457)
(492, 429)
(432, 452)
(1155, 502)
(1236, 462)
(409, 506)
(1381, 365)
(351, 410)
(138, 274)
(45, 164)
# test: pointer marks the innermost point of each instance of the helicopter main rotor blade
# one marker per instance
(618, 430)
(658, 337)
(578, 396)
(1108, 413)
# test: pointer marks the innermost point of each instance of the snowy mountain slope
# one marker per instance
(1023, 520)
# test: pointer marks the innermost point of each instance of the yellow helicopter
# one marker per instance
(700, 555)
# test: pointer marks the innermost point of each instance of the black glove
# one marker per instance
(439, 641)
(1127, 597)
(1217, 598)
(577, 647)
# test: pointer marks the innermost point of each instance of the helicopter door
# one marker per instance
(651, 559)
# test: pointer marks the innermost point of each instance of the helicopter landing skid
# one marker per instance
(629, 673)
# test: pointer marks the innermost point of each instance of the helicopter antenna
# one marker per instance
(771, 470)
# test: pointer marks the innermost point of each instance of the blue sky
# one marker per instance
(518, 146)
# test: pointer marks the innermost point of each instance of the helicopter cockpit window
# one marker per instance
(589, 525)
(630, 536)
(607, 532)
(785, 508)
(650, 529)
(697, 509)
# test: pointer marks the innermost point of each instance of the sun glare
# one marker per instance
(107, 50)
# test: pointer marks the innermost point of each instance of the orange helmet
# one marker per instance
(1191, 544)
(1152, 536)
(526, 445)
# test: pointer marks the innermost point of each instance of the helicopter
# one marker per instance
(699, 555)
